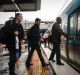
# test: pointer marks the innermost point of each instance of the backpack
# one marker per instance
(3, 37)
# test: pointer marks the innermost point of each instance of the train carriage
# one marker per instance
(70, 48)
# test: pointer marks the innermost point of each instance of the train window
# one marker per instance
(71, 26)
(78, 28)
(79, 21)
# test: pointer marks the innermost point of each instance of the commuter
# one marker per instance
(34, 41)
(45, 37)
(50, 39)
(41, 38)
(56, 35)
(12, 29)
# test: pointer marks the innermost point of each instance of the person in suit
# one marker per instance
(34, 37)
(56, 40)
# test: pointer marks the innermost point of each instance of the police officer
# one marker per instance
(56, 35)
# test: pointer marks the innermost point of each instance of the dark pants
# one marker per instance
(28, 45)
(56, 50)
(37, 48)
(12, 60)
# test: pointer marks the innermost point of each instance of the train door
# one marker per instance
(72, 33)
(77, 50)
(74, 41)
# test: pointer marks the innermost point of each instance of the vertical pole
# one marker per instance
(15, 12)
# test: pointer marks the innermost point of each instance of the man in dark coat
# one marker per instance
(11, 29)
(34, 38)
(56, 34)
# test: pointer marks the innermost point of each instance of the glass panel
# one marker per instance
(79, 21)
(71, 26)
(78, 31)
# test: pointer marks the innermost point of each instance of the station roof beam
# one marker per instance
(20, 5)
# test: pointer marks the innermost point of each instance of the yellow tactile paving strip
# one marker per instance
(36, 68)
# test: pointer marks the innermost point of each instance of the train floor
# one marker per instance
(36, 68)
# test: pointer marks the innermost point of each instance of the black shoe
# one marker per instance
(52, 60)
(60, 63)
(45, 65)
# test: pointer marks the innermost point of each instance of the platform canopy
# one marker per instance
(19, 5)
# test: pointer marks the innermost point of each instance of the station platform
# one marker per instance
(60, 69)
(36, 68)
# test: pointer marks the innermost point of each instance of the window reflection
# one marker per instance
(71, 26)
(78, 27)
